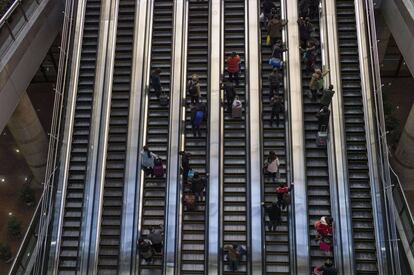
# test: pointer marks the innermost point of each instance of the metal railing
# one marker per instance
(29, 242)
(44, 211)
(13, 21)
(396, 202)
(403, 210)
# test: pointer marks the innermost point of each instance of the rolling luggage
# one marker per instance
(322, 137)
(236, 111)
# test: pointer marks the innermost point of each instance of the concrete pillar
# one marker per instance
(30, 137)
(403, 161)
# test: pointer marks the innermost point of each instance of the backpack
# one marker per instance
(192, 88)
(276, 63)
(198, 118)
(286, 198)
(158, 168)
(236, 110)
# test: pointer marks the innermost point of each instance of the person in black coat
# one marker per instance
(278, 107)
(156, 82)
(197, 186)
(323, 117)
(274, 213)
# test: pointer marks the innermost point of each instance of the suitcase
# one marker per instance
(236, 110)
(322, 138)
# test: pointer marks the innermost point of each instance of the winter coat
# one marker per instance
(148, 161)
(327, 97)
(156, 236)
(197, 184)
(273, 212)
(233, 64)
(274, 79)
(277, 106)
(193, 88)
(273, 167)
(323, 117)
(155, 81)
(145, 248)
(274, 27)
(322, 227)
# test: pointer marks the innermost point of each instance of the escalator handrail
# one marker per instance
(9, 12)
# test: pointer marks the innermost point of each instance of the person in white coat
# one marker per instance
(147, 161)
(272, 165)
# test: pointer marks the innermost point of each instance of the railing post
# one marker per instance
(10, 30)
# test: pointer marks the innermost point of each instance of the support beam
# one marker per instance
(177, 87)
(253, 124)
(297, 140)
(30, 137)
(214, 207)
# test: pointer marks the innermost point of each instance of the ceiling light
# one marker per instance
(3, 180)
(10, 213)
(17, 151)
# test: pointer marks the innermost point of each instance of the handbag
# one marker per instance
(268, 40)
(190, 174)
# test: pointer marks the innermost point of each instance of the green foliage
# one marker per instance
(27, 195)
(5, 252)
(4, 5)
(14, 227)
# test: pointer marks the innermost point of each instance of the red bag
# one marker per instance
(158, 169)
(324, 246)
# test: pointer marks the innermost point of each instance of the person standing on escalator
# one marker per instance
(327, 95)
(274, 29)
(305, 30)
(323, 118)
(156, 236)
(193, 87)
(274, 214)
(197, 117)
(229, 93)
(156, 82)
(278, 107)
(275, 78)
(185, 165)
(148, 161)
(233, 67)
(316, 82)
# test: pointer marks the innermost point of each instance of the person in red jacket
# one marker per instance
(324, 226)
(233, 67)
(283, 197)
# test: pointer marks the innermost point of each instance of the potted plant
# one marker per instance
(27, 195)
(14, 227)
(5, 253)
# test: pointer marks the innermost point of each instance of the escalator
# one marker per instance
(235, 162)
(276, 252)
(194, 222)
(69, 260)
(110, 233)
(316, 159)
(157, 128)
(356, 144)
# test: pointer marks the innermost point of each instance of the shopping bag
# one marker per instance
(268, 40)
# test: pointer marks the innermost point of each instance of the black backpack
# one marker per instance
(192, 88)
